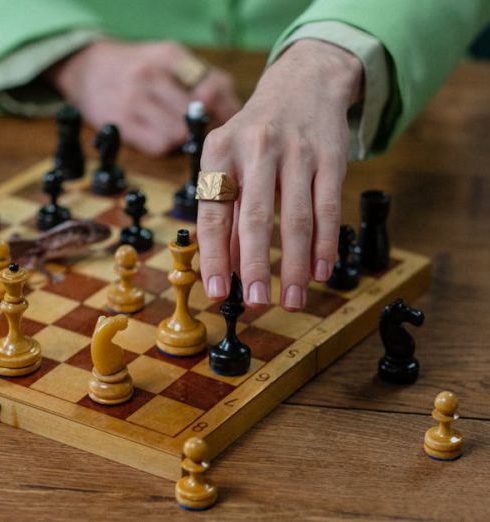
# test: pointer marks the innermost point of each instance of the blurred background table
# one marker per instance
(346, 446)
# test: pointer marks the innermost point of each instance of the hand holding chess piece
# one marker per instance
(123, 296)
(194, 491)
(110, 382)
(19, 354)
(443, 442)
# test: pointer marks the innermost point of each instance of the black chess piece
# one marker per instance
(139, 237)
(398, 365)
(108, 178)
(231, 357)
(68, 157)
(373, 237)
(345, 275)
(185, 203)
(52, 214)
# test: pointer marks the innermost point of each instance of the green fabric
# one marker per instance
(424, 39)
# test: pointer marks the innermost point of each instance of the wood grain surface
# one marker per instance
(345, 447)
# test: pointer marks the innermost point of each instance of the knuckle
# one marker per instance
(326, 209)
(261, 136)
(211, 218)
(300, 221)
(257, 216)
(216, 145)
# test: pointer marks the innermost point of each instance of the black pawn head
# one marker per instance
(108, 141)
(183, 238)
(135, 203)
(14, 267)
(375, 206)
(52, 183)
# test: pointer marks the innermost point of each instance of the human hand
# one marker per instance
(292, 135)
(134, 86)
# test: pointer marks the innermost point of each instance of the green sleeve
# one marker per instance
(424, 40)
(24, 21)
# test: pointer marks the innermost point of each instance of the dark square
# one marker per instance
(120, 411)
(28, 326)
(276, 268)
(182, 362)
(33, 192)
(115, 216)
(27, 380)
(197, 390)
(81, 320)
(155, 311)
(276, 236)
(322, 304)
(75, 286)
(83, 359)
(264, 345)
(151, 280)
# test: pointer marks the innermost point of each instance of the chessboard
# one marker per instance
(174, 398)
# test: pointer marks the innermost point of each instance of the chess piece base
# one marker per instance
(195, 496)
(107, 183)
(111, 389)
(185, 204)
(181, 343)
(390, 370)
(443, 448)
(125, 302)
(230, 363)
(22, 360)
(140, 238)
(345, 278)
(51, 215)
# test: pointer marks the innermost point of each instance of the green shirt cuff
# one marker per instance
(21, 90)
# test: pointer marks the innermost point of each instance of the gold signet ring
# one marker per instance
(216, 186)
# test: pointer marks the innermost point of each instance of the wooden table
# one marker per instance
(345, 447)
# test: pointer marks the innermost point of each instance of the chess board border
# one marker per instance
(238, 411)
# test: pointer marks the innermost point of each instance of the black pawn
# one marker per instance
(52, 214)
(345, 275)
(139, 237)
(398, 365)
(68, 157)
(185, 203)
(231, 357)
(373, 237)
(108, 178)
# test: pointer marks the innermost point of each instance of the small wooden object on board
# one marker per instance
(110, 382)
(181, 334)
(4, 261)
(194, 491)
(19, 354)
(443, 442)
(123, 296)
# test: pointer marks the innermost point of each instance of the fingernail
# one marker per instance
(321, 270)
(294, 297)
(216, 286)
(257, 293)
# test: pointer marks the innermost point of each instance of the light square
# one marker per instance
(280, 321)
(274, 254)
(85, 206)
(99, 299)
(46, 307)
(16, 210)
(138, 337)
(165, 415)
(203, 369)
(60, 344)
(65, 381)
(275, 290)
(163, 260)
(197, 298)
(216, 326)
(153, 375)
(99, 265)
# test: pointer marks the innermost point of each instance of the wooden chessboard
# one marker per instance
(175, 398)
